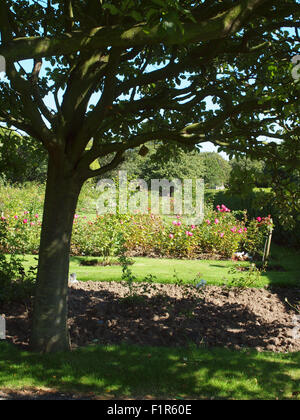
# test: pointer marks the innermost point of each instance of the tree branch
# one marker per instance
(117, 160)
(217, 27)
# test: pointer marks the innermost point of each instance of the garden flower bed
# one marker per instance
(171, 315)
(222, 233)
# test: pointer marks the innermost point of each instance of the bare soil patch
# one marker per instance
(171, 315)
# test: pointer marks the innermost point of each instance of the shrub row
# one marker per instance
(222, 232)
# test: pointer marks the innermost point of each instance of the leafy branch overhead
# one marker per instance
(126, 72)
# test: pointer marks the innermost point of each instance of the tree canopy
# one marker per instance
(125, 72)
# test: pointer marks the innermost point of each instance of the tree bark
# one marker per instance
(49, 326)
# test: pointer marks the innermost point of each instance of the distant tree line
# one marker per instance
(158, 161)
(20, 164)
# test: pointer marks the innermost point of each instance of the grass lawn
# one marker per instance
(135, 372)
(212, 271)
(130, 371)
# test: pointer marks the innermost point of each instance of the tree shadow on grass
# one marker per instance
(135, 372)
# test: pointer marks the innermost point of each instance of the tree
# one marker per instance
(217, 170)
(124, 73)
(22, 159)
(163, 160)
(247, 174)
(284, 173)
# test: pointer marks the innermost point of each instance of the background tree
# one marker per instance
(284, 173)
(127, 72)
(22, 159)
(247, 174)
(217, 170)
(162, 161)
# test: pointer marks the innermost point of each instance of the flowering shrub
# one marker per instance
(19, 234)
(16, 283)
(258, 230)
(222, 233)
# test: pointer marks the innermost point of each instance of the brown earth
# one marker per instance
(171, 315)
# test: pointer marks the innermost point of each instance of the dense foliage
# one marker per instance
(22, 159)
(170, 162)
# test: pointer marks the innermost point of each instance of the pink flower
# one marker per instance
(217, 221)
(174, 222)
(233, 229)
(76, 216)
(25, 221)
(193, 226)
(245, 230)
(36, 216)
(240, 231)
(208, 222)
(178, 223)
(16, 217)
(171, 236)
(188, 233)
(32, 224)
(26, 212)
(3, 218)
(222, 234)
(259, 219)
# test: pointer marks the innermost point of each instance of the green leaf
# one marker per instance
(136, 16)
(112, 8)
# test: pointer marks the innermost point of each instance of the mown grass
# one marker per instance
(214, 272)
(131, 371)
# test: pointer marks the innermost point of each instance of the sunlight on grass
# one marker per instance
(214, 272)
(159, 371)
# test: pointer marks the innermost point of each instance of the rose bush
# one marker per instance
(222, 232)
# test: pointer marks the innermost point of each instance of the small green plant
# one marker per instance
(250, 276)
(196, 285)
(125, 262)
(133, 295)
(296, 307)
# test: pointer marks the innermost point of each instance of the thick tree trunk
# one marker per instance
(49, 326)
